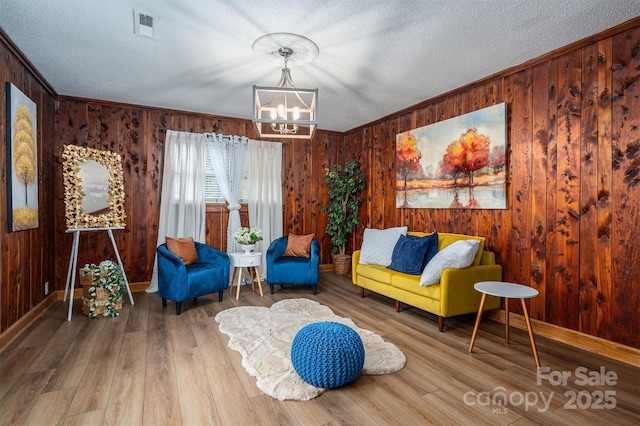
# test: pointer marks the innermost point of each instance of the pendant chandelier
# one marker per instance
(284, 111)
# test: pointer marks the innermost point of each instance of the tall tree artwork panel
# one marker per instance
(455, 163)
(22, 160)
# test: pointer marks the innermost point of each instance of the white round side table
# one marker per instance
(251, 261)
(506, 291)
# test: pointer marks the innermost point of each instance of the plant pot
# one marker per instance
(247, 248)
(342, 264)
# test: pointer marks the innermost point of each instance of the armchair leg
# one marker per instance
(441, 324)
(362, 292)
(164, 302)
(220, 293)
(397, 306)
(178, 308)
(315, 289)
(271, 288)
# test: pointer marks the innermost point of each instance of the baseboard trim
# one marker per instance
(587, 342)
(16, 329)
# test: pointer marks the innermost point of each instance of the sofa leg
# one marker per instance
(315, 289)
(441, 324)
(397, 306)
(362, 292)
(164, 302)
(220, 293)
(178, 308)
(271, 288)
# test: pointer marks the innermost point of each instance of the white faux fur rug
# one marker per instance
(263, 337)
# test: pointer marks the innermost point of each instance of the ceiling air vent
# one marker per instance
(143, 24)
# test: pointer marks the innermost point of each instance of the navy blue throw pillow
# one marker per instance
(412, 253)
(432, 250)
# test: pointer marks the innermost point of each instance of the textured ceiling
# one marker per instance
(376, 57)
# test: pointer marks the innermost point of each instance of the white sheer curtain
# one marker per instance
(227, 155)
(182, 206)
(265, 192)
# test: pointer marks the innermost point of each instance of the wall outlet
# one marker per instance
(46, 288)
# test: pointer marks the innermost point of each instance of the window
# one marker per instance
(213, 195)
(183, 158)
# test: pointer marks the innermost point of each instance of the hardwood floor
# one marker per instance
(151, 367)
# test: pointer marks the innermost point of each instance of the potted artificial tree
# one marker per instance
(345, 184)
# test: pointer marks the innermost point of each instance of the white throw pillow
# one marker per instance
(378, 244)
(457, 255)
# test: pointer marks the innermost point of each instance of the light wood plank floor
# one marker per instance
(152, 367)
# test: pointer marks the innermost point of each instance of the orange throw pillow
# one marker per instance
(184, 248)
(299, 245)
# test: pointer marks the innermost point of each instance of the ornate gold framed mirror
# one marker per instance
(93, 188)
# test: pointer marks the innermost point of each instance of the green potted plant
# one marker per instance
(247, 238)
(345, 184)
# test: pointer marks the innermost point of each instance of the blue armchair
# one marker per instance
(292, 270)
(178, 282)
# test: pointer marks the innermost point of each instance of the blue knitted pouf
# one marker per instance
(327, 354)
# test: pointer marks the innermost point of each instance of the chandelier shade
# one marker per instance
(284, 111)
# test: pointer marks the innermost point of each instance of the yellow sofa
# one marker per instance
(454, 295)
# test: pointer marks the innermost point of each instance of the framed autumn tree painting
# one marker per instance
(455, 163)
(22, 160)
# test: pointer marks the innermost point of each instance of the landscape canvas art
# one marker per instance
(22, 161)
(455, 163)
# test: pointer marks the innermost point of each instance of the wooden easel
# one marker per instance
(73, 263)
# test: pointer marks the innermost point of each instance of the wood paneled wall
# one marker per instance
(138, 134)
(26, 257)
(573, 192)
(570, 229)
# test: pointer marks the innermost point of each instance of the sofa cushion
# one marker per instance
(378, 244)
(412, 253)
(446, 239)
(299, 245)
(459, 254)
(184, 248)
(410, 283)
(377, 273)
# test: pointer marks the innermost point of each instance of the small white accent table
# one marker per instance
(506, 291)
(251, 261)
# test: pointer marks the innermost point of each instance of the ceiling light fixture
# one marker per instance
(285, 111)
